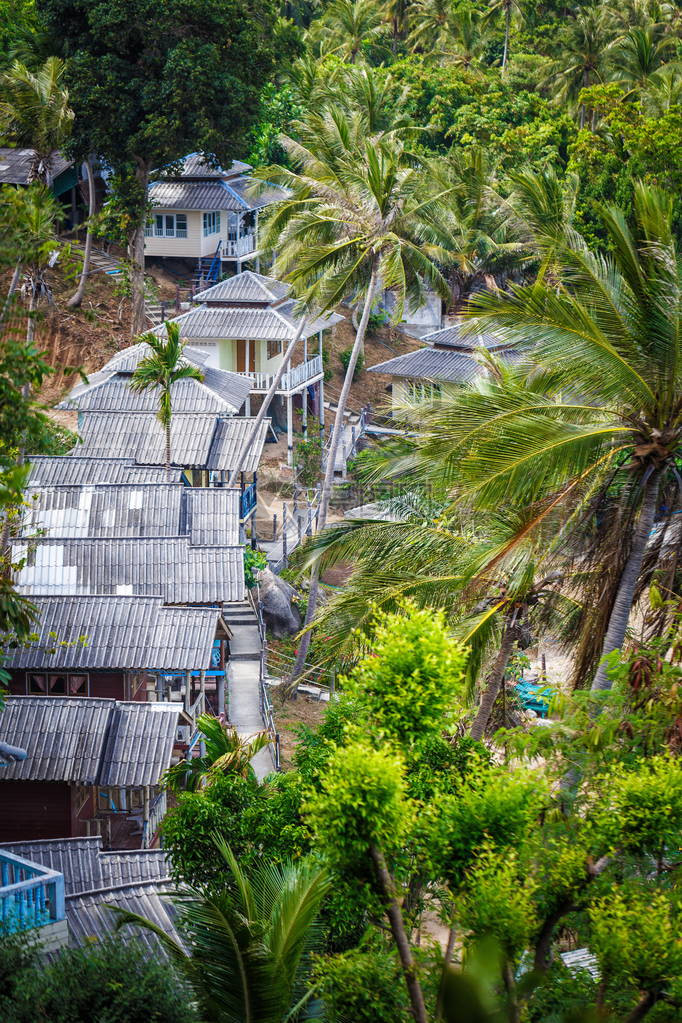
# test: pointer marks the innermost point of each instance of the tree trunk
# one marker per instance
(325, 496)
(622, 605)
(265, 405)
(395, 919)
(77, 297)
(507, 29)
(168, 450)
(493, 683)
(136, 259)
(641, 1009)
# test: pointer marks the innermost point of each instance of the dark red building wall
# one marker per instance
(105, 684)
(35, 809)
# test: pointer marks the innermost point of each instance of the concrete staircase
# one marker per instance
(243, 679)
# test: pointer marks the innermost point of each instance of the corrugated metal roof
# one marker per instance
(116, 395)
(255, 194)
(196, 165)
(229, 441)
(139, 744)
(452, 337)
(257, 323)
(145, 509)
(55, 470)
(15, 165)
(245, 287)
(88, 741)
(90, 919)
(431, 364)
(127, 633)
(86, 867)
(193, 195)
(140, 436)
(128, 359)
(168, 567)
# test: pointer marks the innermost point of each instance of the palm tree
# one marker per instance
(431, 22)
(35, 112)
(639, 58)
(162, 368)
(469, 35)
(595, 427)
(354, 222)
(507, 8)
(225, 753)
(77, 296)
(346, 27)
(583, 56)
(246, 951)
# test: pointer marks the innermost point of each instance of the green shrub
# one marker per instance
(308, 461)
(344, 357)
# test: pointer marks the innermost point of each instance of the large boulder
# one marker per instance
(279, 601)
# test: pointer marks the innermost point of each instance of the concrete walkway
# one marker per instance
(243, 682)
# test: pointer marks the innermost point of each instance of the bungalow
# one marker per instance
(15, 169)
(207, 213)
(243, 325)
(447, 361)
(93, 766)
(124, 648)
(55, 470)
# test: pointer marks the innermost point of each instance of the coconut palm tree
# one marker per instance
(346, 27)
(508, 9)
(595, 427)
(161, 369)
(583, 56)
(431, 22)
(246, 949)
(35, 112)
(225, 753)
(354, 223)
(639, 58)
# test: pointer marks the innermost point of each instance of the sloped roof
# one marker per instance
(108, 632)
(109, 390)
(86, 866)
(246, 287)
(452, 337)
(128, 359)
(236, 195)
(431, 364)
(204, 442)
(197, 165)
(257, 323)
(138, 509)
(168, 567)
(56, 470)
(15, 165)
(88, 741)
(90, 919)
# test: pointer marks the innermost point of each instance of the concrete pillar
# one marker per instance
(304, 412)
(220, 685)
(290, 432)
(321, 391)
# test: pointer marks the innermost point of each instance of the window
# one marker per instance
(58, 685)
(115, 800)
(167, 225)
(211, 223)
(274, 348)
(422, 390)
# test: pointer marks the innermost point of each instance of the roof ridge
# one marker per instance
(142, 883)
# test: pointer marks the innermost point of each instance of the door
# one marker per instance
(241, 357)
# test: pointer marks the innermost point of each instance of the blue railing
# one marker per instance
(249, 499)
(30, 895)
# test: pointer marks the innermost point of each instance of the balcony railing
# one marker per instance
(30, 895)
(240, 246)
(249, 499)
(157, 811)
(291, 380)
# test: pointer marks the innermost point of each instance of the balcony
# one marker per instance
(235, 248)
(291, 381)
(31, 896)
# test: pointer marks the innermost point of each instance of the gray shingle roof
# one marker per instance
(89, 741)
(203, 442)
(86, 867)
(431, 364)
(15, 165)
(145, 509)
(128, 359)
(256, 323)
(237, 195)
(196, 165)
(229, 441)
(246, 287)
(127, 633)
(168, 567)
(55, 470)
(89, 919)
(452, 337)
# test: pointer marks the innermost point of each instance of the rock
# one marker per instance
(278, 600)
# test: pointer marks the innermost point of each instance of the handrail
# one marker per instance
(157, 811)
(30, 895)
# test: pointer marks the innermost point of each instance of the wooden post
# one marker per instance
(299, 527)
(284, 534)
(145, 817)
(188, 691)
(274, 527)
(304, 412)
(220, 683)
(321, 391)
(295, 500)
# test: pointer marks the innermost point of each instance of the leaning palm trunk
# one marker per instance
(136, 259)
(622, 605)
(77, 297)
(493, 682)
(325, 496)
(507, 29)
(263, 410)
(168, 450)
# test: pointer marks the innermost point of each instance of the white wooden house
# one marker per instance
(206, 213)
(244, 325)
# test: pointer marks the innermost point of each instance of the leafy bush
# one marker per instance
(254, 561)
(308, 461)
(344, 358)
